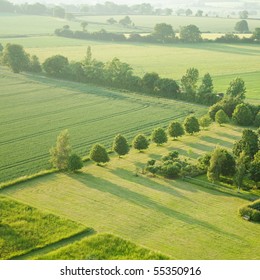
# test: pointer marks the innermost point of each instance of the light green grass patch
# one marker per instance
(24, 228)
(103, 247)
(174, 217)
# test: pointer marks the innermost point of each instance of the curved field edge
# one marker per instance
(103, 247)
(24, 228)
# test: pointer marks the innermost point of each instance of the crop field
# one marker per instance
(24, 228)
(177, 218)
(34, 110)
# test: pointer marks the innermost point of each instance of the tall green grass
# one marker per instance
(103, 247)
(24, 228)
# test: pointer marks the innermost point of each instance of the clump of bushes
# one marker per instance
(251, 211)
(171, 167)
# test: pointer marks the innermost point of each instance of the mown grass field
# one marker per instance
(34, 110)
(177, 218)
(24, 228)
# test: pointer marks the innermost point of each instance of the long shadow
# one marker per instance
(148, 183)
(224, 134)
(216, 141)
(143, 201)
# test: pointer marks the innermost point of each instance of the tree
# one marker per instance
(188, 12)
(221, 163)
(166, 87)
(241, 170)
(6, 6)
(84, 24)
(243, 14)
(126, 21)
(189, 82)
(58, 12)
(242, 26)
(175, 129)
(254, 169)
(159, 136)
(111, 21)
(205, 121)
(120, 145)
(149, 80)
(191, 125)
(34, 65)
(214, 170)
(256, 34)
(243, 115)
(61, 152)
(257, 120)
(237, 89)
(199, 13)
(55, 65)
(140, 142)
(190, 34)
(248, 143)
(163, 32)
(99, 154)
(221, 117)
(207, 84)
(1, 47)
(74, 163)
(15, 57)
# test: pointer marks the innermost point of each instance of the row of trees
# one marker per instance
(63, 158)
(114, 73)
(163, 33)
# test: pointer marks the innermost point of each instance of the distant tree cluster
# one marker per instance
(239, 166)
(233, 107)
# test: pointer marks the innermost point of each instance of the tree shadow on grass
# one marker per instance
(148, 183)
(143, 201)
(216, 141)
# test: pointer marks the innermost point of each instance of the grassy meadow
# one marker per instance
(176, 218)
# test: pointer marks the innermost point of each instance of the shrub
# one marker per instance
(159, 136)
(252, 211)
(221, 117)
(74, 163)
(175, 129)
(242, 115)
(99, 154)
(257, 120)
(140, 142)
(120, 145)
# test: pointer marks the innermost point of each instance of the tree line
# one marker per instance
(113, 73)
(63, 159)
(236, 167)
(162, 33)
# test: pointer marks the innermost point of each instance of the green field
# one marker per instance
(176, 218)
(34, 110)
(23, 228)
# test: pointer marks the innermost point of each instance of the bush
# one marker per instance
(74, 163)
(257, 120)
(221, 117)
(159, 136)
(242, 115)
(252, 211)
(99, 154)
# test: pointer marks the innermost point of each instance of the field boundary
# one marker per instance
(56, 245)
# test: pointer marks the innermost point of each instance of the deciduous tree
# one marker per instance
(74, 163)
(175, 129)
(99, 154)
(191, 125)
(159, 136)
(120, 145)
(140, 142)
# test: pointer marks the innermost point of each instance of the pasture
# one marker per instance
(175, 217)
(35, 109)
